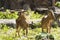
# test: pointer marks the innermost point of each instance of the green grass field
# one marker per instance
(9, 34)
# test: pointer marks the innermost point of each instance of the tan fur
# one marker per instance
(21, 23)
(46, 21)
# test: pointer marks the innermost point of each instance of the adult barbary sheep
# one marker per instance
(21, 23)
(47, 20)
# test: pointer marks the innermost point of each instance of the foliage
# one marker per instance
(34, 15)
(8, 15)
(55, 25)
(58, 4)
(51, 36)
(38, 37)
(35, 25)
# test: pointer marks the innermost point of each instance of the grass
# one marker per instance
(9, 34)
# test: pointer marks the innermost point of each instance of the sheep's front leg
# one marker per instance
(17, 30)
(48, 28)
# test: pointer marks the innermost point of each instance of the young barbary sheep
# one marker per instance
(47, 20)
(21, 23)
